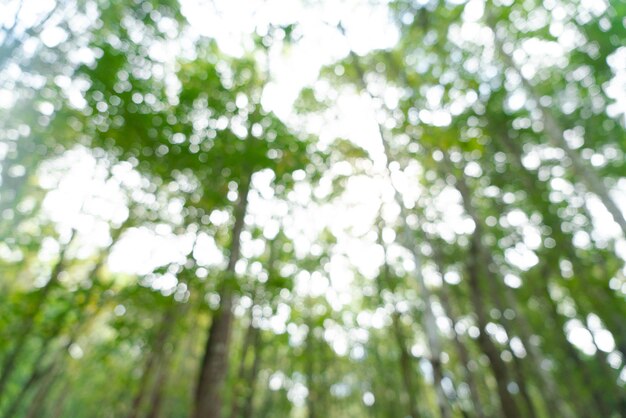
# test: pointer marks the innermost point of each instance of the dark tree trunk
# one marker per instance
(497, 299)
(208, 399)
(476, 269)
(498, 367)
(553, 400)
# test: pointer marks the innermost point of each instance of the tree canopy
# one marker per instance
(400, 208)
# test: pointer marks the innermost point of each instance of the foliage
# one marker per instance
(170, 235)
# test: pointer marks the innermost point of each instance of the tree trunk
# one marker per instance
(475, 261)
(11, 361)
(38, 374)
(480, 256)
(550, 395)
(386, 404)
(241, 373)
(462, 353)
(406, 363)
(38, 369)
(496, 296)
(554, 402)
(312, 398)
(429, 325)
(153, 361)
(252, 340)
(208, 400)
(521, 380)
(247, 411)
(59, 404)
(156, 398)
(597, 395)
(498, 367)
(36, 408)
(429, 322)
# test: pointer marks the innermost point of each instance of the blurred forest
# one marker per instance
(349, 208)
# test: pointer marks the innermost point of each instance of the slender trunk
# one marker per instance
(429, 322)
(582, 405)
(550, 394)
(247, 411)
(156, 398)
(241, 373)
(498, 367)
(554, 402)
(521, 380)
(12, 359)
(325, 401)
(462, 353)
(429, 325)
(59, 403)
(386, 399)
(597, 397)
(251, 340)
(153, 361)
(165, 368)
(484, 257)
(38, 369)
(39, 374)
(208, 400)
(37, 404)
(496, 297)
(406, 363)
(312, 398)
